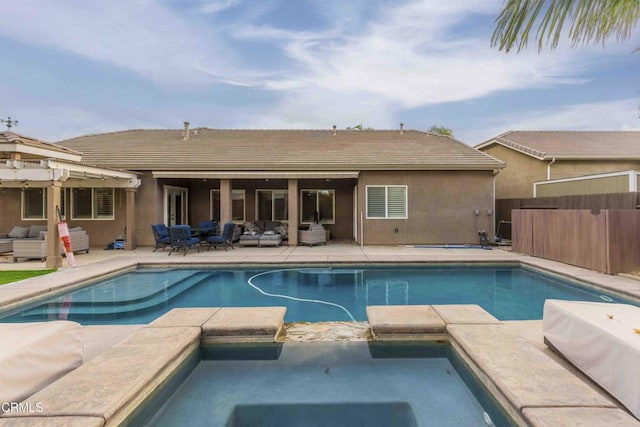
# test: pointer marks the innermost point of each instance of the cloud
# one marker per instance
(405, 57)
(141, 36)
(616, 115)
(362, 61)
(215, 6)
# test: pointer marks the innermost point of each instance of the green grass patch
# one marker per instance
(14, 276)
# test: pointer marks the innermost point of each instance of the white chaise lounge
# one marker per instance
(33, 355)
(600, 339)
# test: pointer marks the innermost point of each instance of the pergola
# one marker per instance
(54, 174)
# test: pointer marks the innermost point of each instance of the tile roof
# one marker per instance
(8, 137)
(278, 150)
(571, 144)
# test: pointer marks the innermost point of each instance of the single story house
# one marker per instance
(370, 186)
(536, 156)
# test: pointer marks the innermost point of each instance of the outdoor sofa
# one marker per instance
(20, 232)
(263, 233)
(36, 248)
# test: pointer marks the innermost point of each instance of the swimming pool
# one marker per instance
(318, 384)
(310, 293)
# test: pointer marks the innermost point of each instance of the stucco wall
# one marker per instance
(521, 171)
(441, 207)
(517, 178)
(100, 232)
(10, 210)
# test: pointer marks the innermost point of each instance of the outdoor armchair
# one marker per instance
(314, 235)
(207, 228)
(224, 239)
(161, 236)
(181, 239)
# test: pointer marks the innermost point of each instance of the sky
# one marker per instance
(77, 67)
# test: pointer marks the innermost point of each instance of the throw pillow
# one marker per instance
(282, 230)
(34, 231)
(18, 232)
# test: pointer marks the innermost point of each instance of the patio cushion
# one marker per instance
(600, 339)
(34, 355)
(34, 231)
(18, 232)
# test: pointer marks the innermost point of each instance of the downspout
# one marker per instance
(553, 160)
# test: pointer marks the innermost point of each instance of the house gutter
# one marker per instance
(553, 160)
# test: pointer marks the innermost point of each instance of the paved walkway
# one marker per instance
(332, 252)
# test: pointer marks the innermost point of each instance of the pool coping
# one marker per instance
(29, 291)
(532, 388)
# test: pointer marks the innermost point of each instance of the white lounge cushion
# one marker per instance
(33, 355)
(600, 340)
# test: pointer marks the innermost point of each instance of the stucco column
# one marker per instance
(130, 218)
(293, 212)
(225, 201)
(54, 259)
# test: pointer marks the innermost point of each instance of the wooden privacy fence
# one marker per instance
(583, 201)
(607, 240)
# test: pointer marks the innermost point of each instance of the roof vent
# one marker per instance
(401, 128)
(334, 129)
(185, 133)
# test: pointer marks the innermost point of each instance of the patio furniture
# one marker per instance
(225, 239)
(270, 239)
(37, 248)
(19, 232)
(250, 239)
(262, 226)
(207, 228)
(6, 245)
(316, 234)
(600, 339)
(161, 236)
(181, 239)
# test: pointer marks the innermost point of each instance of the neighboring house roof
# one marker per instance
(205, 149)
(593, 145)
(11, 142)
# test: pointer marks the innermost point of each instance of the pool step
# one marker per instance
(130, 287)
(81, 310)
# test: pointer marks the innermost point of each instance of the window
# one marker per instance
(317, 206)
(34, 203)
(272, 205)
(237, 205)
(92, 203)
(387, 201)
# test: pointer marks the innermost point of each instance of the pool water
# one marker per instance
(328, 384)
(310, 294)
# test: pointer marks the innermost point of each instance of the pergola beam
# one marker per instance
(21, 174)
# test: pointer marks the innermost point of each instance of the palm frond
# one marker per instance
(591, 21)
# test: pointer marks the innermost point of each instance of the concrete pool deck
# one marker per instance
(511, 355)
